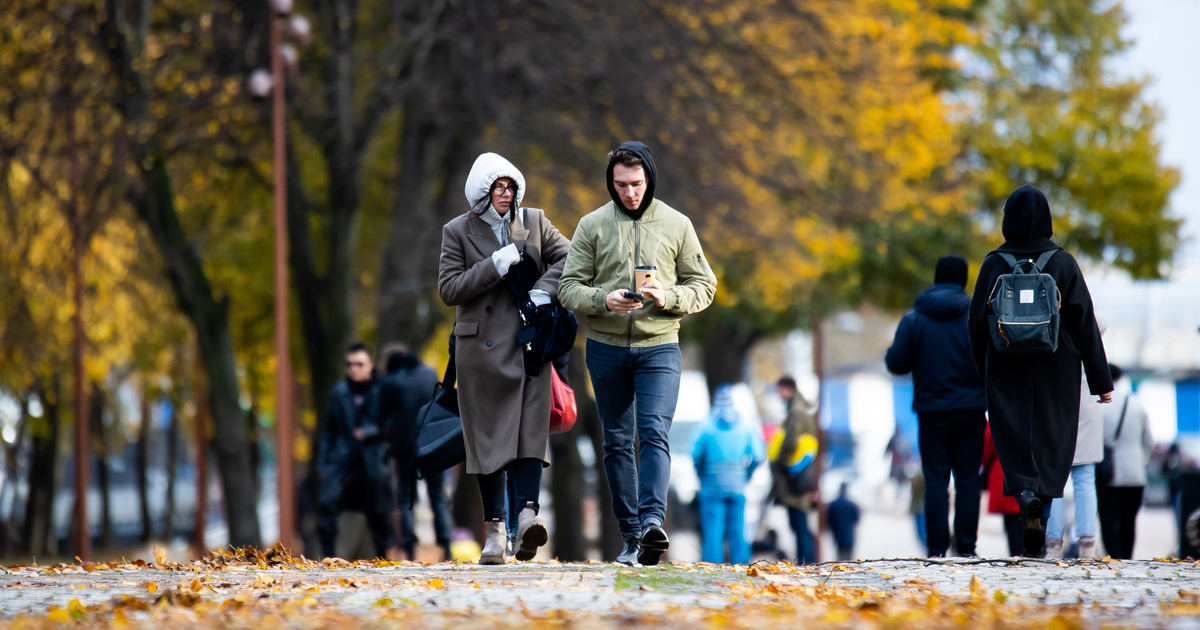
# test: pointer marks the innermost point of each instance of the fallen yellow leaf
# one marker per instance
(160, 555)
(152, 588)
(436, 583)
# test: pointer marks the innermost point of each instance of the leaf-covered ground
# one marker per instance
(262, 590)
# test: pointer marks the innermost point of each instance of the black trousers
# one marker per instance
(526, 474)
(439, 502)
(1014, 530)
(1118, 509)
(379, 524)
(951, 442)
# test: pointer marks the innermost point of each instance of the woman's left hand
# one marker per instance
(1106, 398)
(655, 290)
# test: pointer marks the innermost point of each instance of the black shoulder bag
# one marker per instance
(439, 428)
(1105, 469)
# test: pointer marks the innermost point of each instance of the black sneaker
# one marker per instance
(1034, 533)
(654, 545)
(629, 556)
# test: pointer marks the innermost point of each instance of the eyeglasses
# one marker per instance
(511, 189)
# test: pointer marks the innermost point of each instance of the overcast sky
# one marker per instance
(1166, 36)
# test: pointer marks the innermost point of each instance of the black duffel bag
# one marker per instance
(439, 428)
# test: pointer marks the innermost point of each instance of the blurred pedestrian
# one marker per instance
(505, 411)
(916, 503)
(726, 453)
(932, 343)
(998, 503)
(843, 517)
(786, 488)
(1089, 450)
(406, 388)
(635, 269)
(1127, 436)
(352, 462)
(1032, 401)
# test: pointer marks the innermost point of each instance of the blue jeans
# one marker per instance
(806, 547)
(1083, 480)
(723, 518)
(636, 392)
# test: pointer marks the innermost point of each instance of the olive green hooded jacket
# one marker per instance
(606, 247)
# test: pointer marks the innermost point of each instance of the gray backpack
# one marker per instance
(1023, 308)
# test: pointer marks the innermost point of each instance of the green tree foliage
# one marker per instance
(1048, 111)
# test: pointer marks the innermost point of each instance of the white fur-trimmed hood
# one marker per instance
(487, 169)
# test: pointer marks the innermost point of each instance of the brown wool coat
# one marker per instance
(505, 413)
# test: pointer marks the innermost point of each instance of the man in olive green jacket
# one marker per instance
(635, 268)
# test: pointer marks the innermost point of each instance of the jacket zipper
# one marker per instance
(633, 276)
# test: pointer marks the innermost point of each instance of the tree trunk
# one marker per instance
(172, 474)
(725, 350)
(467, 505)
(39, 509)
(152, 195)
(143, 465)
(570, 544)
(101, 446)
(435, 154)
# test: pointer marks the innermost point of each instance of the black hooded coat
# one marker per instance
(1033, 401)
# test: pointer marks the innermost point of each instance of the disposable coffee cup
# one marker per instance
(645, 274)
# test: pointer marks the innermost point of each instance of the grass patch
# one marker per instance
(665, 579)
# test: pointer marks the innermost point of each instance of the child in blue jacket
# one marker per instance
(726, 453)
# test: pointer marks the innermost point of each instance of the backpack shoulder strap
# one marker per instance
(1043, 259)
(1008, 258)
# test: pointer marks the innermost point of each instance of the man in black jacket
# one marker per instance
(949, 399)
(407, 388)
(353, 458)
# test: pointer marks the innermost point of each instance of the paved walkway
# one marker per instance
(1008, 592)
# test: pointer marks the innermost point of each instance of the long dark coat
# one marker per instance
(505, 412)
(1033, 401)
(355, 475)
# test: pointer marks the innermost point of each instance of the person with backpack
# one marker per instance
(1122, 476)
(948, 397)
(505, 410)
(726, 452)
(1032, 327)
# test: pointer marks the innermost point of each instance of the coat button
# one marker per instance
(488, 309)
(489, 343)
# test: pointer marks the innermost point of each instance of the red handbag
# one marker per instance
(562, 404)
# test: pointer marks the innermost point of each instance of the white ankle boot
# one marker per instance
(1087, 547)
(1054, 548)
(494, 543)
(531, 534)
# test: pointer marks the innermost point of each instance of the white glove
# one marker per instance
(539, 297)
(506, 258)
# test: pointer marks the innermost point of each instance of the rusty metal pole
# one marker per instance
(201, 437)
(285, 473)
(82, 543)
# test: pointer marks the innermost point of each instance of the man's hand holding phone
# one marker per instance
(618, 303)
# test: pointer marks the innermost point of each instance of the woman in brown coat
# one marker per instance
(505, 412)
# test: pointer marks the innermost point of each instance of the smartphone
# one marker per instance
(630, 295)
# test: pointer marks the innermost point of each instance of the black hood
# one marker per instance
(402, 361)
(1027, 224)
(943, 301)
(642, 151)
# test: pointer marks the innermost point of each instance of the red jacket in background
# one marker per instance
(997, 502)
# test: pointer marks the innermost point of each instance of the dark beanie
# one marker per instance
(951, 270)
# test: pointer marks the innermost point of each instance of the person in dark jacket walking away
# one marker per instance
(407, 388)
(949, 400)
(843, 520)
(635, 269)
(1127, 433)
(1033, 400)
(352, 463)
